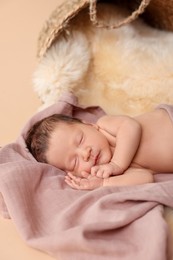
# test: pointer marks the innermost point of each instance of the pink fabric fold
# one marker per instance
(106, 223)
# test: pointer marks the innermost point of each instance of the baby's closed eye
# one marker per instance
(79, 139)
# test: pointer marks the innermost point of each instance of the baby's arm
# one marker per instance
(126, 132)
(132, 176)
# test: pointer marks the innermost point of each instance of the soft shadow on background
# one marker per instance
(20, 24)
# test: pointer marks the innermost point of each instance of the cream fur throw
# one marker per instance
(128, 70)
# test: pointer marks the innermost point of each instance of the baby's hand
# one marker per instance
(105, 170)
(89, 183)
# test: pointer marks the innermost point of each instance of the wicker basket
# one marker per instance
(61, 16)
(158, 13)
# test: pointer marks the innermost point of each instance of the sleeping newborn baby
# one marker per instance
(116, 151)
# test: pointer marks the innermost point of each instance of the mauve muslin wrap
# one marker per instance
(107, 223)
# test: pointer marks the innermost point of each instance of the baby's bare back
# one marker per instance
(156, 147)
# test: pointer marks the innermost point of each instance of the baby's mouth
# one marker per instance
(96, 159)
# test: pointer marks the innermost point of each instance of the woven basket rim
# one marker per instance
(63, 13)
(57, 22)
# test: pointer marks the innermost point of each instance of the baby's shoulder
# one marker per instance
(109, 119)
(102, 121)
(109, 122)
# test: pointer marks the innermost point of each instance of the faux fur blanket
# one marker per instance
(106, 223)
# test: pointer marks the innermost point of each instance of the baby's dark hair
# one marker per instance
(37, 139)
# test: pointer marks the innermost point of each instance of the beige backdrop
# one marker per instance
(20, 23)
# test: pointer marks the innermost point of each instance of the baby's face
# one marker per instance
(77, 147)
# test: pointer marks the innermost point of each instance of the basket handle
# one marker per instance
(129, 19)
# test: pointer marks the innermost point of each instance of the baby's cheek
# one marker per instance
(84, 167)
(77, 174)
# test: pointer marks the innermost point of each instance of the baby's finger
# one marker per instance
(75, 178)
(70, 175)
(100, 172)
(85, 174)
(67, 178)
(94, 170)
(72, 185)
(106, 173)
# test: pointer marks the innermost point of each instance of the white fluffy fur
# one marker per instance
(128, 70)
(63, 65)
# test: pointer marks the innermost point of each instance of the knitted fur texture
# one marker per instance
(126, 71)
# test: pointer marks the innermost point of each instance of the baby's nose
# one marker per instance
(86, 152)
